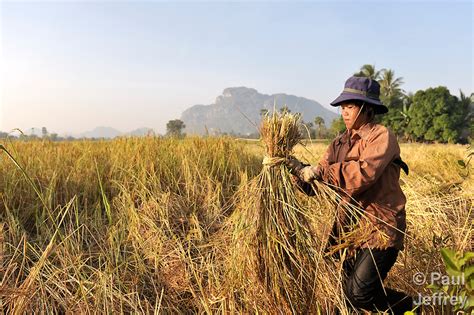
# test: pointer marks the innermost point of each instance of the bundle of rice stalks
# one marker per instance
(273, 249)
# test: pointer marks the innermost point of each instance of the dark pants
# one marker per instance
(363, 283)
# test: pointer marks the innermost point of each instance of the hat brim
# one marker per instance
(344, 97)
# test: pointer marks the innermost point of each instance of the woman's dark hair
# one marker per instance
(369, 109)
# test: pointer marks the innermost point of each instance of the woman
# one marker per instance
(364, 164)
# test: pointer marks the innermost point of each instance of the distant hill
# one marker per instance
(140, 132)
(109, 133)
(101, 132)
(97, 133)
(233, 109)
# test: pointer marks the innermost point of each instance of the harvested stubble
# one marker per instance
(273, 247)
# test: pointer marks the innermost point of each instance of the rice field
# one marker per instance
(140, 225)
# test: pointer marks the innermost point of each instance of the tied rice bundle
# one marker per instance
(273, 246)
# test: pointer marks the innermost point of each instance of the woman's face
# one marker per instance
(351, 116)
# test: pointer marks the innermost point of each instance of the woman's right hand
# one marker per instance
(294, 165)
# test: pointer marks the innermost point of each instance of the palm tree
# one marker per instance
(319, 122)
(306, 129)
(390, 86)
(369, 72)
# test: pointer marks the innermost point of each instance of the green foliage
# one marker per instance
(174, 128)
(467, 105)
(461, 271)
(390, 86)
(393, 97)
(338, 126)
(436, 115)
(396, 118)
(432, 115)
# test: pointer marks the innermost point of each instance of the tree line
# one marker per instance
(45, 135)
(431, 115)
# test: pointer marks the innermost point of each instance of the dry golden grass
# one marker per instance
(136, 225)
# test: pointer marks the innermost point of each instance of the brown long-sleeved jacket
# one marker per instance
(362, 167)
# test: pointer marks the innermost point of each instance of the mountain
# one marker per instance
(233, 109)
(101, 132)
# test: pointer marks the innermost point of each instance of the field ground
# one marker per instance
(135, 225)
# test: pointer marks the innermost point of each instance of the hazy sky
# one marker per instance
(73, 66)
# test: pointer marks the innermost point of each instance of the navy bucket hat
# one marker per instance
(362, 89)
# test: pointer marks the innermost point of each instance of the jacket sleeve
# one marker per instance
(356, 176)
(307, 188)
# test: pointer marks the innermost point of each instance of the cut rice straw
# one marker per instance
(273, 244)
